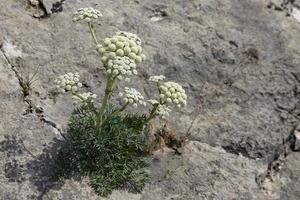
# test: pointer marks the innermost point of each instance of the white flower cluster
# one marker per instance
(68, 83)
(163, 111)
(157, 78)
(153, 102)
(131, 36)
(121, 46)
(86, 14)
(121, 67)
(134, 97)
(84, 98)
(172, 93)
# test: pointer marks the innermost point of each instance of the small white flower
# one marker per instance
(157, 78)
(74, 89)
(116, 72)
(68, 87)
(169, 100)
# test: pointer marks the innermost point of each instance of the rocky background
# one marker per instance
(239, 61)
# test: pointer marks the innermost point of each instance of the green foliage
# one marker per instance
(114, 158)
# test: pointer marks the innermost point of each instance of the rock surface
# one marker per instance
(239, 61)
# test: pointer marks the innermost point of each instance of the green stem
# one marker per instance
(110, 86)
(92, 31)
(122, 108)
(152, 114)
(118, 111)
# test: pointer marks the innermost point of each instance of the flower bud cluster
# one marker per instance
(172, 93)
(131, 36)
(121, 46)
(163, 111)
(134, 97)
(86, 14)
(68, 83)
(121, 67)
(157, 78)
(84, 98)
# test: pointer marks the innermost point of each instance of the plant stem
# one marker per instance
(110, 85)
(122, 108)
(152, 114)
(118, 111)
(92, 31)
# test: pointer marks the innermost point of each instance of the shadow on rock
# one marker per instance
(43, 171)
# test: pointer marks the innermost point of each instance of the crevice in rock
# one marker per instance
(32, 108)
(285, 5)
(248, 149)
(19, 77)
(237, 150)
(277, 160)
(234, 149)
(39, 111)
(57, 6)
(47, 8)
(41, 11)
(297, 77)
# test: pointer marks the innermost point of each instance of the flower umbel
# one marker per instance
(131, 36)
(121, 67)
(134, 97)
(163, 111)
(86, 14)
(68, 83)
(172, 93)
(157, 78)
(84, 98)
(121, 46)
